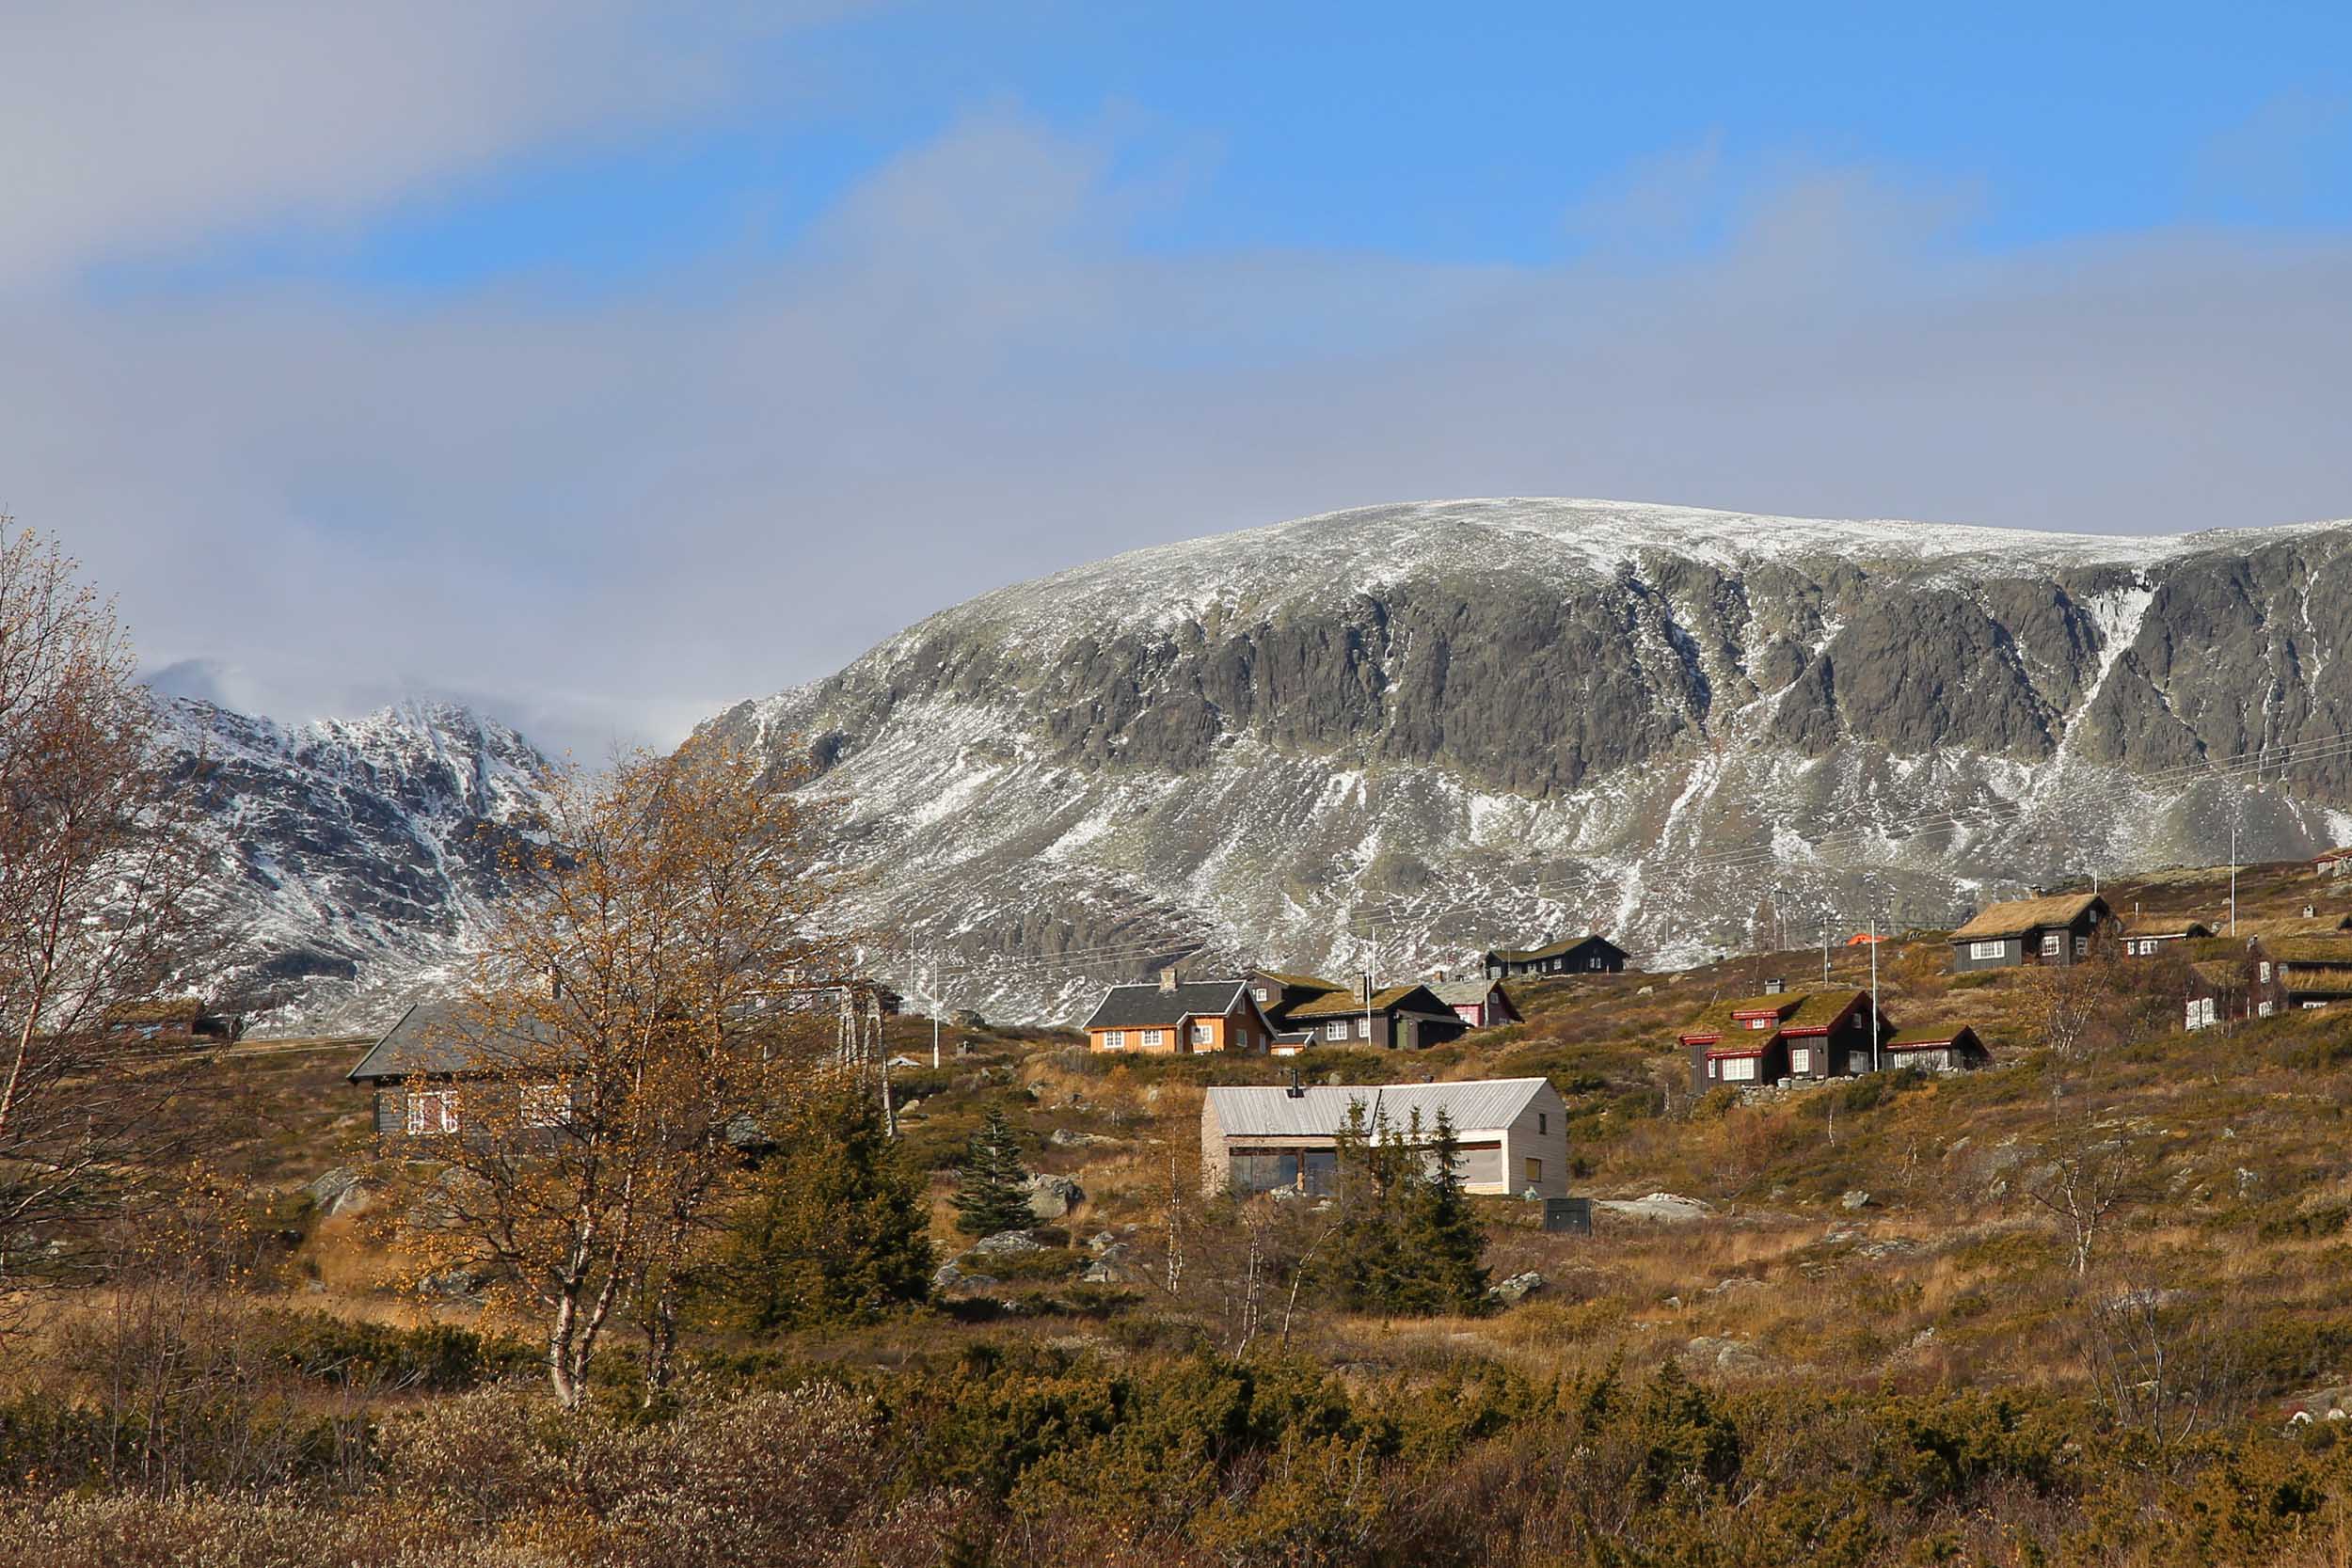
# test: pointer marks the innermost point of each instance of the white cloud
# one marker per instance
(134, 129)
(620, 515)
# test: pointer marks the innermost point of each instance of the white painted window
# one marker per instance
(2314, 1006)
(1715, 1067)
(2201, 1012)
(1800, 1060)
(1363, 1028)
(1739, 1070)
(1155, 1036)
(1203, 1034)
(544, 1105)
(2082, 945)
(1987, 950)
(2050, 943)
(1335, 1030)
(433, 1111)
(1262, 993)
(1762, 1023)
(1114, 1039)
(2265, 971)
(2262, 1011)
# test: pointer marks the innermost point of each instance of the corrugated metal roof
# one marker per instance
(1269, 1112)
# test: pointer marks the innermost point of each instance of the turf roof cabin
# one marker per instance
(1173, 1016)
(2228, 978)
(1512, 1133)
(1945, 1050)
(2147, 935)
(1276, 991)
(1586, 955)
(438, 1073)
(1479, 1004)
(170, 1019)
(2315, 969)
(2059, 929)
(1803, 1036)
(1401, 1018)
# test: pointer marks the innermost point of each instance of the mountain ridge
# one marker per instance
(1267, 738)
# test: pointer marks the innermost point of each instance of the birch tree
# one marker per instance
(632, 1018)
(93, 860)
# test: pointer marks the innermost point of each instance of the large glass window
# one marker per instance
(1739, 1070)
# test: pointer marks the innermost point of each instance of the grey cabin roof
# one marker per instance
(1148, 1006)
(435, 1037)
(1464, 993)
(1270, 1112)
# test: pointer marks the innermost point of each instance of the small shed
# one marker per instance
(1944, 1048)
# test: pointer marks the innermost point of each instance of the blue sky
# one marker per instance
(448, 335)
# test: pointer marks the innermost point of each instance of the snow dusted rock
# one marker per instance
(1726, 1355)
(1854, 1198)
(1560, 702)
(350, 862)
(1052, 1197)
(1662, 1208)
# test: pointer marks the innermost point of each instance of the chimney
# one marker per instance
(1168, 978)
(2311, 910)
(1773, 988)
(1295, 1092)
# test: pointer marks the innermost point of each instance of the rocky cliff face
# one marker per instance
(1394, 736)
(350, 861)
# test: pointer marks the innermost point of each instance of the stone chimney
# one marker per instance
(1168, 978)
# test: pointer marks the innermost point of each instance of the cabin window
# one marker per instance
(1762, 1023)
(432, 1111)
(1534, 1171)
(1595, 963)
(2200, 1012)
(1335, 1030)
(1739, 1070)
(1262, 993)
(2263, 1011)
(2265, 971)
(2082, 944)
(1203, 1034)
(1152, 1038)
(1114, 1039)
(1712, 1065)
(1800, 1059)
(1987, 950)
(544, 1105)
(2051, 944)
(1543, 1123)
(1363, 1028)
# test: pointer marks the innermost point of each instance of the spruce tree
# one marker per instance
(992, 1188)
(837, 1231)
(1447, 1241)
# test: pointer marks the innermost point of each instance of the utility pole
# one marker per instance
(1368, 1007)
(939, 1005)
(2234, 826)
(1825, 945)
(1871, 882)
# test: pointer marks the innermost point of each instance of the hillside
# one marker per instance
(1396, 735)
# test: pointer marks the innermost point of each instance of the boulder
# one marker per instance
(1854, 1198)
(1113, 1268)
(461, 1283)
(1517, 1289)
(340, 1191)
(1663, 1208)
(1052, 1197)
(1005, 1243)
(1726, 1355)
(1062, 1137)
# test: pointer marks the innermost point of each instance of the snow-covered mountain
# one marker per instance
(1394, 736)
(351, 860)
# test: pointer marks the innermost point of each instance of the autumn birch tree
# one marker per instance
(631, 1018)
(93, 861)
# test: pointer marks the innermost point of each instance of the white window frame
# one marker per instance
(1988, 950)
(1363, 1028)
(1203, 1034)
(1800, 1058)
(1114, 1039)
(2053, 943)
(438, 1106)
(2265, 971)
(1742, 1070)
(2262, 1011)
(543, 1104)
(1152, 1038)
(1335, 1030)
(1761, 1022)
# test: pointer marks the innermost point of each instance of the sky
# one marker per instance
(602, 364)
